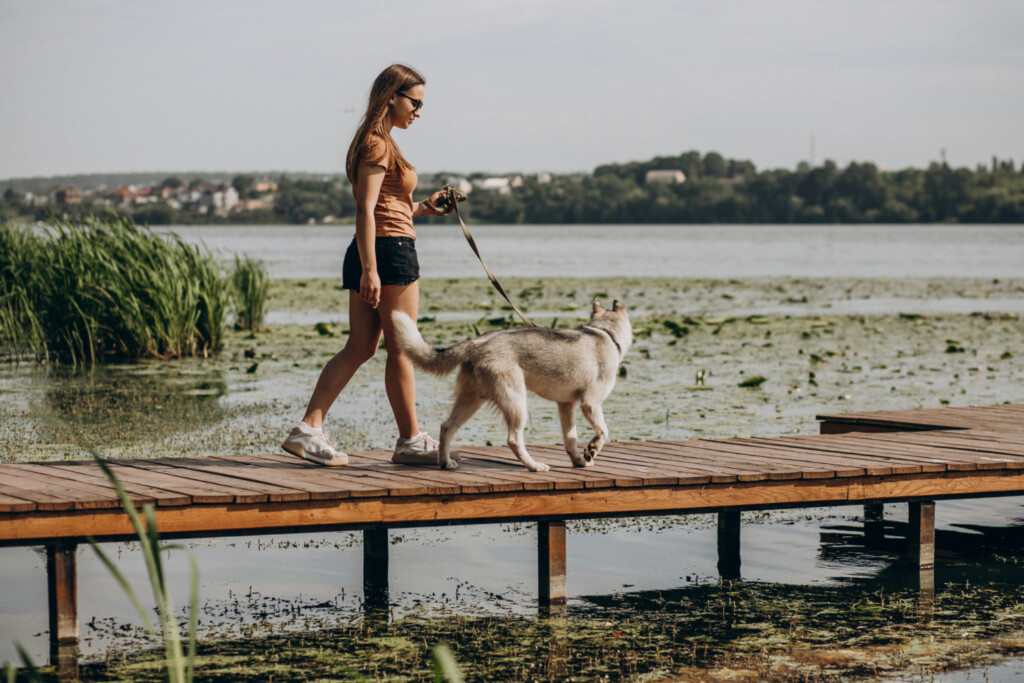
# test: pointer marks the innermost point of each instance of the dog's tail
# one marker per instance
(423, 356)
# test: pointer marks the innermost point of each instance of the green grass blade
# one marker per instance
(193, 616)
(26, 661)
(122, 581)
(443, 665)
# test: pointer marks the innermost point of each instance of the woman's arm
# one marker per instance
(367, 190)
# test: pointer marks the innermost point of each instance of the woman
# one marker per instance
(380, 270)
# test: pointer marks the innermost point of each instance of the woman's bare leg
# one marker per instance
(363, 338)
(399, 374)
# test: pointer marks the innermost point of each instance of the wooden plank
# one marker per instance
(10, 503)
(523, 505)
(466, 482)
(307, 480)
(845, 465)
(856, 450)
(932, 445)
(235, 476)
(695, 462)
(970, 442)
(101, 492)
(87, 472)
(874, 463)
(781, 464)
(199, 493)
(387, 475)
(818, 462)
(717, 462)
(860, 444)
(691, 467)
(684, 470)
(329, 476)
(46, 497)
(622, 474)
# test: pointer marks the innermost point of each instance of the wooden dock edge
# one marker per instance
(112, 524)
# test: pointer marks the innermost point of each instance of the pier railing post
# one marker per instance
(729, 544)
(62, 592)
(375, 567)
(551, 562)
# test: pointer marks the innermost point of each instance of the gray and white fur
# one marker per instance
(564, 366)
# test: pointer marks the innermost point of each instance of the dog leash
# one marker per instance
(451, 194)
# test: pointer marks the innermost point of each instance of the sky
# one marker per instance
(512, 85)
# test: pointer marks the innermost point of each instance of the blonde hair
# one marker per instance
(391, 81)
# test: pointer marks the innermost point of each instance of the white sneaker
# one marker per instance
(421, 449)
(314, 445)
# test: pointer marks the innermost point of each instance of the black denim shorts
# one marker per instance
(397, 263)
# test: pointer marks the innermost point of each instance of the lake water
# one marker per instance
(704, 251)
(491, 569)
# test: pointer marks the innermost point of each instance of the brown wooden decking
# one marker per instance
(914, 456)
(964, 452)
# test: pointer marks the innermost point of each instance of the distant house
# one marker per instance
(123, 195)
(264, 186)
(219, 198)
(493, 186)
(66, 195)
(668, 177)
(145, 196)
(433, 183)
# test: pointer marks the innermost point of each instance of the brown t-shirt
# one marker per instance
(393, 212)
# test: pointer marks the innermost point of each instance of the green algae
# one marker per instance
(694, 347)
(720, 631)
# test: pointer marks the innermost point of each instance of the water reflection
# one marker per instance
(125, 410)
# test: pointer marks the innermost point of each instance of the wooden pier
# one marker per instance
(914, 457)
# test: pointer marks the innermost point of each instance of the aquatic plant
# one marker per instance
(90, 289)
(250, 285)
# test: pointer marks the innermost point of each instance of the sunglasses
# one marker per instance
(416, 104)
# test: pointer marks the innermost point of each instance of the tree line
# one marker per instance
(716, 190)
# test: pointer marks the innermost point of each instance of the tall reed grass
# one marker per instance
(250, 282)
(90, 289)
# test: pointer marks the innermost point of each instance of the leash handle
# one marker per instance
(490, 275)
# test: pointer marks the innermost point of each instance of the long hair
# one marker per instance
(390, 81)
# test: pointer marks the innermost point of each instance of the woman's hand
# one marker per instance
(369, 287)
(436, 200)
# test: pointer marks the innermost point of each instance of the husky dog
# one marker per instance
(564, 366)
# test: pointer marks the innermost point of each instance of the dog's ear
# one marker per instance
(617, 306)
(596, 307)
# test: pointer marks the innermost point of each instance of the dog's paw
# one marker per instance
(450, 465)
(540, 467)
(585, 463)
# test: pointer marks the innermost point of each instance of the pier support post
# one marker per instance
(920, 554)
(62, 591)
(375, 567)
(874, 525)
(729, 544)
(551, 563)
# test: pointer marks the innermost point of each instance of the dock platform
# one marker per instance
(871, 458)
